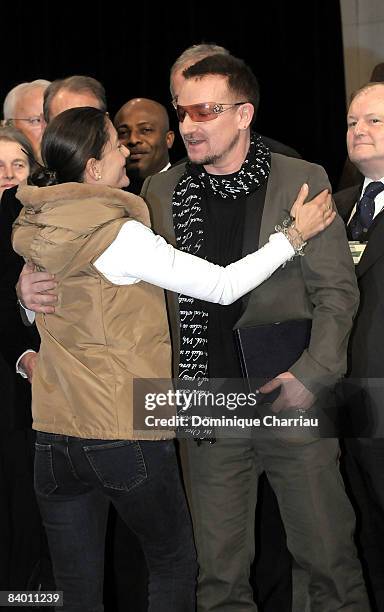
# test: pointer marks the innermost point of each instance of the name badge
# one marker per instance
(357, 249)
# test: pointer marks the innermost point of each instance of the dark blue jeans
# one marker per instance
(76, 479)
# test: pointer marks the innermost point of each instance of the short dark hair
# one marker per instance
(69, 141)
(77, 84)
(241, 80)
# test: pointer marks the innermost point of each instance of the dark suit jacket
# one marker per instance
(346, 199)
(319, 286)
(367, 339)
(15, 337)
(366, 351)
(365, 391)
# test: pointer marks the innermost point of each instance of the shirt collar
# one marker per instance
(369, 180)
(166, 167)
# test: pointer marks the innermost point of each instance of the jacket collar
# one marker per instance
(69, 200)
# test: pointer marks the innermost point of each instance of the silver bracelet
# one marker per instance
(293, 235)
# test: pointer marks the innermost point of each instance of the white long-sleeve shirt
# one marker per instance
(138, 254)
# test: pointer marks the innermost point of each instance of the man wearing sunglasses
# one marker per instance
(222, 204)
(194, 54)
(272, 570)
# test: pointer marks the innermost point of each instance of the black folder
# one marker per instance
(268, 350)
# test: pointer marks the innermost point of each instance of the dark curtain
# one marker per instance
(294, 48)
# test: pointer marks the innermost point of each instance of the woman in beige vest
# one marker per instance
(108, 329)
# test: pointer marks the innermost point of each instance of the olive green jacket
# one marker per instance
(320, 286)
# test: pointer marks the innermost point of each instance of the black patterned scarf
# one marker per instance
(188, 218)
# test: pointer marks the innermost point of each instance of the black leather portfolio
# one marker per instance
(270, 349)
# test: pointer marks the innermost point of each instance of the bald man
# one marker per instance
(143, 127)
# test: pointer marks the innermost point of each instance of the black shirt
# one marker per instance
(223, 239)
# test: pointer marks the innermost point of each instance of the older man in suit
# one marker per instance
(233, 193)
(362, 209)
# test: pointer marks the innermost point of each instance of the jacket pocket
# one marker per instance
(119, 465)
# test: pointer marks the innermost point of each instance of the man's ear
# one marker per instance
(170, 137)
(246, 113)
(92, 170)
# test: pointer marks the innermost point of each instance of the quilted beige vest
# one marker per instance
(102, 336)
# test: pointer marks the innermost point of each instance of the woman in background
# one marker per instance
(23, 550)
(15, 153)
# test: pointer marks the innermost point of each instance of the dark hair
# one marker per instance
(12, 134)
(377, 75)
(241, 80)
(69, 141)
(76, 84)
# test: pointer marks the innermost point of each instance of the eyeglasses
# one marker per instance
(34, 122)
(206, 111)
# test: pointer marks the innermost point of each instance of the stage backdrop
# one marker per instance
(294, 48)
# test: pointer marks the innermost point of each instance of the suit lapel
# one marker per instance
(375, 246)
(346, 199)
(272, 213)
(254, 204)
(158, 193)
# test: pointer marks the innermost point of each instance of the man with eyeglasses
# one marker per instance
(23, 108)
(232, 193)
(195, 53)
